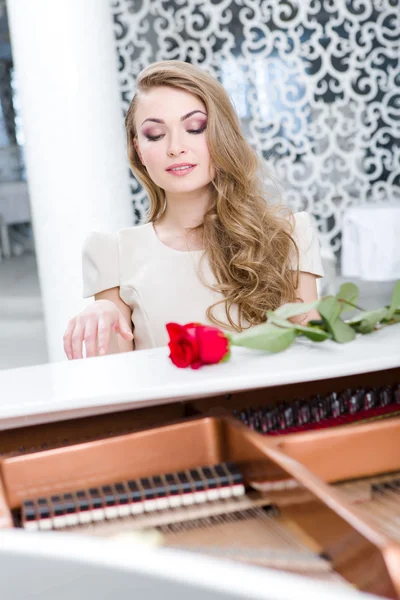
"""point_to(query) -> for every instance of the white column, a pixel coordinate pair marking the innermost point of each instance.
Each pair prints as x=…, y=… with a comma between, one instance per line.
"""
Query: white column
x=67, y=75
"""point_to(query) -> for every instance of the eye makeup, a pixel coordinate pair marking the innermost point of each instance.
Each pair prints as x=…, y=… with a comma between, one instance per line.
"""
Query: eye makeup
x=155, y=134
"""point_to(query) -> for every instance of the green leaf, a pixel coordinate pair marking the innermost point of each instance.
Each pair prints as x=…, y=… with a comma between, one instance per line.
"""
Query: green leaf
x=341, y=332
x=329, y=309
x=395, y=302
x=348, y=293
x=367, y=320
x=314, y=333
x=267, y=337
x=292, y=309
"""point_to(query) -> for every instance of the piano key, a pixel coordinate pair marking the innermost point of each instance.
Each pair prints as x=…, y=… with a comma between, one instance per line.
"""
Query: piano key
x=71, y=516
x=173, y=492
x=83, y=505
x=236, y=477
x=96, y=504
x=186, y=488
x=136, y=498
x=160, y=491
x=149, y=502
x=199, y=486
x=109, y=501
x=43, y=512
x=29, y=521
x=211, y=480
x=122, y=498
x=58, y=512
x=223, y=482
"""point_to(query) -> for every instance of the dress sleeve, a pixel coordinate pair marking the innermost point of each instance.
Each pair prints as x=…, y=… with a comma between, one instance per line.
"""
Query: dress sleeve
x=100, y=263
x=306, y=238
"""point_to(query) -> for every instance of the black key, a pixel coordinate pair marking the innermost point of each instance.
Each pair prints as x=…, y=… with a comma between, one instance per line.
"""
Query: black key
x=185, y=484
x=159, y=487
x=83, y=502
x=199, y=484
x=121, y=494
x=210, y=477
x=43, y=508
x=108, y=495
x=69, y=504
x=234, y=472
x=149, y=492
x=173, y=488
x=57, y=506
x=28, y=510
x=135, y=494
x=223, y=479
x=95, y=498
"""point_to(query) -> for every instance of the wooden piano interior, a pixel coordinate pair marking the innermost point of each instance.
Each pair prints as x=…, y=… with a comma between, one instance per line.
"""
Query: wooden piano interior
x=200, y=480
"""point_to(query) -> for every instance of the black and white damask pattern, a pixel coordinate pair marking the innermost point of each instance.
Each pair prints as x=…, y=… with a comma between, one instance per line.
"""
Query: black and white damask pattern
x=315, y=82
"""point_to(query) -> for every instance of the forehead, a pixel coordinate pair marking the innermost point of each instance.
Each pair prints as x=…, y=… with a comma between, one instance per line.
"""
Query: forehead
x=166, y=103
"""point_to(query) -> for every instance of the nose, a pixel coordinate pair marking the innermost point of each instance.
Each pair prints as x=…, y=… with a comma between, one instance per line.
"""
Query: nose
x=175, y=147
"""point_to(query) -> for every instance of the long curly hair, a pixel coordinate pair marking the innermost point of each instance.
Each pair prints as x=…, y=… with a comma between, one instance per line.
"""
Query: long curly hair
x=249, y=242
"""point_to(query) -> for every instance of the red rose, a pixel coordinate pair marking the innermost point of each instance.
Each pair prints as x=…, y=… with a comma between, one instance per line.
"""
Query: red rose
x=194, y=345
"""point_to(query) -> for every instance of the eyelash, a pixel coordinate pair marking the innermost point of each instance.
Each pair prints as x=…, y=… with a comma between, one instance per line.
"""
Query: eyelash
x=192, y=131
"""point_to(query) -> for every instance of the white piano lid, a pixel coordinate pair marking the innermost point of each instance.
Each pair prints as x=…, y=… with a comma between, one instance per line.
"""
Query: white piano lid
x=104, y=384
x=61, y=566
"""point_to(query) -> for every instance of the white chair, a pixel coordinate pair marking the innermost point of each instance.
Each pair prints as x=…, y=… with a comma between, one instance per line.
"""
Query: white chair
x=371, y=242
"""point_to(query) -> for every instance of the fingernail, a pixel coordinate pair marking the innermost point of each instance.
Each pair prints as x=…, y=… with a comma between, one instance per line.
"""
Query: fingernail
x=69, y=356
x=102, y=351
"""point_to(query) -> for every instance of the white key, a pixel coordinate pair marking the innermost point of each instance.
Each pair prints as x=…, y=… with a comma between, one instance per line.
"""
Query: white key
x=111, y=512
x=162, y=503
x=175, y=501
x=188, y=499
x=59, y=522
x=212, y=494
x=98, y=514
x=238, y=489
x=200, y=497
x=124, y=510
x=85, y=516
x=136, y=508
x=225, y=492
x=45, y=524
x=72, y=519
x=31, y=525
x=150, y=505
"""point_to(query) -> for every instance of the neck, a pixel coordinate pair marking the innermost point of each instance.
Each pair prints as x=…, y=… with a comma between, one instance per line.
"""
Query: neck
x=186, y=210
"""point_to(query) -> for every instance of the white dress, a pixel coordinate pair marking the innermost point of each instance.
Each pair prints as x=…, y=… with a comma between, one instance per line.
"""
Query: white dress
x=162, y=285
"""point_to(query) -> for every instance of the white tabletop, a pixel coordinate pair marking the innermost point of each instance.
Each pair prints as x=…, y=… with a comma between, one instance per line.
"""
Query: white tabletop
x=90, y=386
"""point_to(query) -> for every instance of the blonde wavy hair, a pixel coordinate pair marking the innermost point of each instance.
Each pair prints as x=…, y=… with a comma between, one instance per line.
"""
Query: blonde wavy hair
x=248, y=242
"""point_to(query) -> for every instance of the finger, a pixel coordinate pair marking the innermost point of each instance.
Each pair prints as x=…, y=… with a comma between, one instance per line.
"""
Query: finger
x=90, y=337
x=103, y=335
x=124, y=329
x=77, y=340
x=67, y=338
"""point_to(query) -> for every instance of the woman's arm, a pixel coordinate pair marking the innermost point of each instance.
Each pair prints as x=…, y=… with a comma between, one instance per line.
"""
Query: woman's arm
x=307, y=292
x=117, y=343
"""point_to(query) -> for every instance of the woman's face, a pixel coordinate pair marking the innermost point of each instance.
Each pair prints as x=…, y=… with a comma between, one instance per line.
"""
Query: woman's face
x=171, y=139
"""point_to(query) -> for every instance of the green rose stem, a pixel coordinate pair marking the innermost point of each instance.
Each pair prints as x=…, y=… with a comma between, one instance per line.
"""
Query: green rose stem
x=278, y=332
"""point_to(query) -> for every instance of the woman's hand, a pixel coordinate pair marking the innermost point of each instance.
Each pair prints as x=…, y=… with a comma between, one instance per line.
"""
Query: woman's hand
x=95, y=326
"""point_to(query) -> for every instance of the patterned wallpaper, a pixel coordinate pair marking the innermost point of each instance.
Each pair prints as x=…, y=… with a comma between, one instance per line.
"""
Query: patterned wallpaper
x=315, y=82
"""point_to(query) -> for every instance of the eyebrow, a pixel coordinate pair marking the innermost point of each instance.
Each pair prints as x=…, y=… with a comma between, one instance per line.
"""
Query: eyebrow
x=182, y=118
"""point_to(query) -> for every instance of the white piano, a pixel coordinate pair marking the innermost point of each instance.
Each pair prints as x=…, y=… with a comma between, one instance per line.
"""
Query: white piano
x=52, y=409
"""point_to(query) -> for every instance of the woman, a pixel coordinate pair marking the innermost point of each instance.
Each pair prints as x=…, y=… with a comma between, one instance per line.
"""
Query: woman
x=212, y=251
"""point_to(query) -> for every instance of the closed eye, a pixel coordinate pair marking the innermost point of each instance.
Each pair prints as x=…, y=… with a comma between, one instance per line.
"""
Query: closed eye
x=192, y=131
